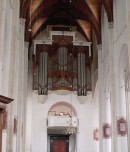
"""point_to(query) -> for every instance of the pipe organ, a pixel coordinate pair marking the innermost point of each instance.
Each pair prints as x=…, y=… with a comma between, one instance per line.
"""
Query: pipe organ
x=61, y=67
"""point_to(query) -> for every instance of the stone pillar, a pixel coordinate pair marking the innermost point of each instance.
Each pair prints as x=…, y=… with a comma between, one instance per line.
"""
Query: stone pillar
x=122, y=144
x=112, y=86
x=2, y=29
x=6, y=55
x=128, y=25
x=128, y=113
x=27, y=104
x=106, y=122
x=13, y=80
x=20, y=87
x=14, y=106
x=26, y=46
x=118, y=101
x=28, y=130
x=99, y=47
x=128, y=94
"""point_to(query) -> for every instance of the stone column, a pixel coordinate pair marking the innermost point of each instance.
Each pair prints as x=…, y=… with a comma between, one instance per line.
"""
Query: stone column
x=106, y=122
x=13, y=81
x=6, y=55
x=99, y=47
x=128, y=113
x=5, y=59
x=112, y=86
x=121, y=118
x=128, y=94
x=2, y=29
x=27, y=103
x=26, y=46
x=28, y=131
x=20, y=87
x=128, y=25
x=118, y=101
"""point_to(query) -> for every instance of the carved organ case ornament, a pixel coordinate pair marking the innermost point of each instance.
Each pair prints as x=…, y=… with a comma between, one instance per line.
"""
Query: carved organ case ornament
x=60, y=70
x=61, y=66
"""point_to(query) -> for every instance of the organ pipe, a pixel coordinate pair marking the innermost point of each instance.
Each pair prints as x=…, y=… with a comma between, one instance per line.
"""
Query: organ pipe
x=62, y=59
x=43, y=73
x=81, y=74
x=36, y=73
x=84, y=80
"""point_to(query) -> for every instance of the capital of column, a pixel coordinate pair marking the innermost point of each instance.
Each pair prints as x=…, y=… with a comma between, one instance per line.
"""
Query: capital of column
x=99, y=47
x=26, y=44
x=22, y=20
x=110, y=25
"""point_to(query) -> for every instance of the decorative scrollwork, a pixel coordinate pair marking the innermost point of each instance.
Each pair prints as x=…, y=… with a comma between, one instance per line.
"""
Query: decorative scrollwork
x=42, y=98
x=82, y=99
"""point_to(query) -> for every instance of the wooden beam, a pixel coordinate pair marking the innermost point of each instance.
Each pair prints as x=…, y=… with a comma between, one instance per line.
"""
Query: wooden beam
x=5, y=100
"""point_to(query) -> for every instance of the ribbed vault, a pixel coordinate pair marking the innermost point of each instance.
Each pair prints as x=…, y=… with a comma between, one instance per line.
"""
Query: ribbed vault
x=85, y=14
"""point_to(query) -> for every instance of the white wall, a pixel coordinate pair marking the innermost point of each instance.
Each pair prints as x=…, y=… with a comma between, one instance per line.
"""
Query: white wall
x=87, y=122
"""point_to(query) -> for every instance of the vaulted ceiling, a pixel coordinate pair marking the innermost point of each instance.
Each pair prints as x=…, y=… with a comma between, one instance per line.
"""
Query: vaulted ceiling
x=85, y=14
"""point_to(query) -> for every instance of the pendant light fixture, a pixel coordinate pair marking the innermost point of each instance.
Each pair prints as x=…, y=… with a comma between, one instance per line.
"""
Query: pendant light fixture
x=30, y=29
x=70, y=128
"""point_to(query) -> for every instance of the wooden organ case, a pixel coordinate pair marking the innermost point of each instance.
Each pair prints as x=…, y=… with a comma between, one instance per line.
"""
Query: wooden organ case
x=62, y=66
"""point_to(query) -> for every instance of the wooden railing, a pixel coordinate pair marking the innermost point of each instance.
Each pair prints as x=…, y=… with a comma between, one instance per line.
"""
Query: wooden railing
x=67, y=113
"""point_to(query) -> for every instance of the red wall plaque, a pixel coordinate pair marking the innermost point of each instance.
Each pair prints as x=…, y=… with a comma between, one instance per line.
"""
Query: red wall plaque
x=106, y=131
x=96, y=134
x=122, y=127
